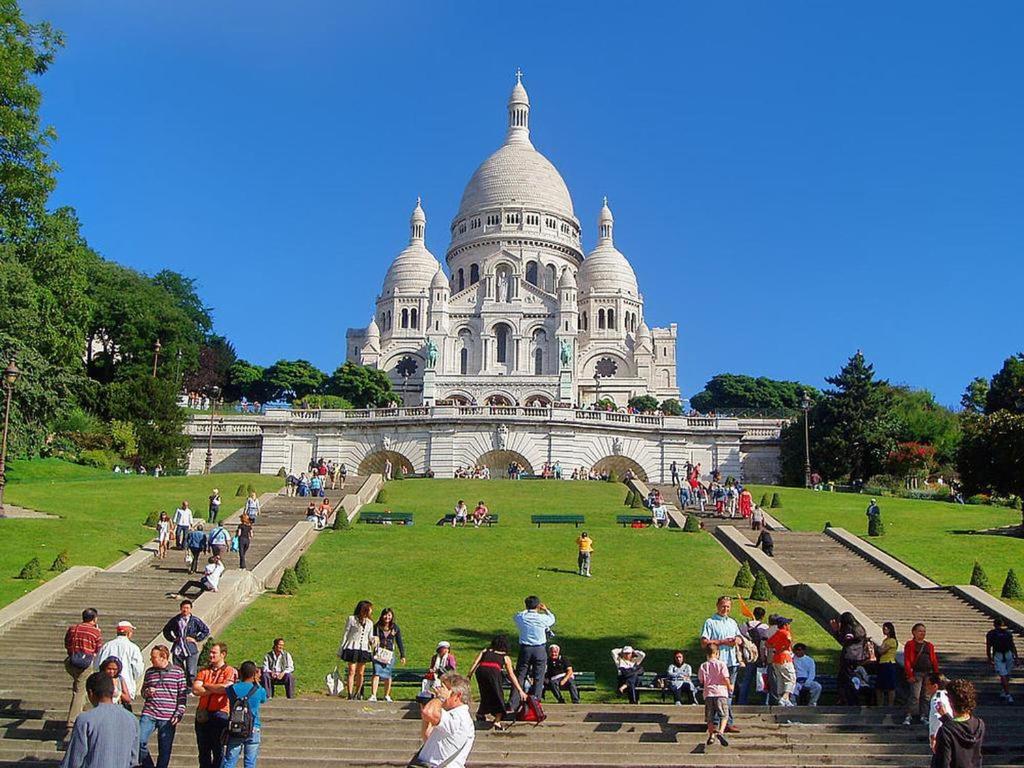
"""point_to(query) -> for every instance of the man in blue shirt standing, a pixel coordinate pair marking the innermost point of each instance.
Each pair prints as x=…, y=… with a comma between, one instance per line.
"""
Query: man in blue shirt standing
x=533, y=625
x=248, y=687
x=722, y=630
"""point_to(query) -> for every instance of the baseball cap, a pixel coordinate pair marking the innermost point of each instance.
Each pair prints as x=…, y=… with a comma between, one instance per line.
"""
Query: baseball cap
x=781, y=621
x=444, y=644
x=125, y=625
x=627, y=649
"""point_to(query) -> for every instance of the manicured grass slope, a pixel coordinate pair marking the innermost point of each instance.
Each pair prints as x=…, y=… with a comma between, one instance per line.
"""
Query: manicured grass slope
x=650, y=588
x=936, y=538
x=101, y=514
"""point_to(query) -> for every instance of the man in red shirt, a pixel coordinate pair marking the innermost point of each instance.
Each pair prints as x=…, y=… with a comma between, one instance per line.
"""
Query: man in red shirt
x=82, y=642
x=210, y=685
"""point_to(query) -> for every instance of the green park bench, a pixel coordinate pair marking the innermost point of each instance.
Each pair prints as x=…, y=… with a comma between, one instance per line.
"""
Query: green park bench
x=489, y=520
x=627, y=520
x=540, y=520
x=386, y=518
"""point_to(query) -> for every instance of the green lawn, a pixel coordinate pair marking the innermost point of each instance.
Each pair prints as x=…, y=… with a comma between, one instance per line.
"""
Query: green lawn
x=936, y=538
x=651, y=588
x=101, y=514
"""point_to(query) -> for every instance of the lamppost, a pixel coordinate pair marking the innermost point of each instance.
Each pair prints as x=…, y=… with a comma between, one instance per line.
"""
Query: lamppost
x=177, y=371
x=805, y=403
x=156, y=356
x=11, y=374
x=597, y=390
x=214, y=391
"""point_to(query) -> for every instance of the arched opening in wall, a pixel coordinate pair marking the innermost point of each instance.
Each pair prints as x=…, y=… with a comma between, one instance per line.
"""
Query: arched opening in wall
x=501, y=334
x=463, y=361
x=465, y=343
x=474, y=274
x=611, y=319
x=619, y=465
x=405, y=318
x=462, y=280
x=538, y=401
x=665, y=379
x=455, y=400
x=374, y=463
x=538, y=362
x=498, y=461
x=383, y=321
x=540, y=341
x=600, y=318
x=550, y=276
x=389, y=319
x=414, y=318
x=586, y=322
x=499, y=401
x=531, y=272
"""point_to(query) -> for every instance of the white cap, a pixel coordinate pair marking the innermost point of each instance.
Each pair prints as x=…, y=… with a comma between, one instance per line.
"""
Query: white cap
x=444, y=644
x=125, y=625
x=627, y=649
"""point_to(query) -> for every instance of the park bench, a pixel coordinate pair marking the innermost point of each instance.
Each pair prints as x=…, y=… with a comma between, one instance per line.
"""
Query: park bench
x=540, y=520
x=386, y=518
x=627, y=520
x=489, y=520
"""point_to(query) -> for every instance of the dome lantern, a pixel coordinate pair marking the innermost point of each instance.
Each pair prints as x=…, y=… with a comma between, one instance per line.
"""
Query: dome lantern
x=518, y=113
x=605, y=223
x=417, y=223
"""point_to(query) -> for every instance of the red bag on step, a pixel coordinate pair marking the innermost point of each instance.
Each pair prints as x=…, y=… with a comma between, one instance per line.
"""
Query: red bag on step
x=530, y=711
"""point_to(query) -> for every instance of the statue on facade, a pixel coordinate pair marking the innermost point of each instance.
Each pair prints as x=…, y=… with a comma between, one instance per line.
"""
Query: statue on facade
x=431, y=353
x=565, y=352
x=385, y=442
x=502, y=437
x=503, y=286
x=617, y=445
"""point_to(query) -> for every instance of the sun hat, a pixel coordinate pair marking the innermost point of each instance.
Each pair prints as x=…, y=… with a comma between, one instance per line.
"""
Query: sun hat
x=444, y=644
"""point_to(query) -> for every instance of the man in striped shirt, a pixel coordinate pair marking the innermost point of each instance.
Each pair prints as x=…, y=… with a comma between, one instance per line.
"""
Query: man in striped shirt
x=82, y=642
x=165, y=694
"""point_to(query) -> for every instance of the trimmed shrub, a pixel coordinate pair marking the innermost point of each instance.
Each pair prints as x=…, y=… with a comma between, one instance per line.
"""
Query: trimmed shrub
x=612, y=477
x=1012, y=588
x=399, y=473
x=978, y=576
x=302, y=570
x=240, y=491
x=341, y=522
x=152, y=519
x=692, y=524
x=776, y=501
x=204, y=652
x=61, y=563
x=763, y=503
x=629, y=497
x=250, y=488
x=762, y=591
x=382, y=496
x=875, y=526
x=289, y=584
x=282, y=472
x=32, y=570
x=100, y=459
x=637, y=502
x=744, y=576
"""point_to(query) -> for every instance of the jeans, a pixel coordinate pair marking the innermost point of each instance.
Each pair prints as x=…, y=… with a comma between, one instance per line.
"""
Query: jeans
x=164, y=741
x=583, y=563
x=745, y=681
x=243, y=547
x=180, y=532
x=532, y=662
x=212, y=517
x=678, y=687
x=196, y=554
x=236, y=747
x=209, y=739
x=631, y=679
x=287, y=681
x=190, y=664
x=78, y=695
x=556, y=689
x=732, y=679
x=917, y=700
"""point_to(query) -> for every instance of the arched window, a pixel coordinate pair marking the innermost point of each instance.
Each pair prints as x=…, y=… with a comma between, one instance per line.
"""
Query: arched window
x=611, y=319
x=462, y=280
x=414, y=318
x=585, y=321
x=538, y=361
x=501, y=343
x=474, y=274
x=464, y=360
x=389, y=319
x=383, y=321
x=600, y=318
x=531, y=272
x=405, y=318
x=550, y=274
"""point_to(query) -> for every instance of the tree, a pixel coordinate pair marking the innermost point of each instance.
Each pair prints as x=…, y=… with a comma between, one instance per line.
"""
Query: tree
x=294, y=378
x=975, y=395
x=216, y=358
x=643, y=403
x=182, y=291
x=920, y=419
x=1006, y=392
x=361, y=385
x=244, y=380
x=672, y=407
x=151, y=405
x=978, y=576
x=762, y=591
x=991, y=455
x=733, y=391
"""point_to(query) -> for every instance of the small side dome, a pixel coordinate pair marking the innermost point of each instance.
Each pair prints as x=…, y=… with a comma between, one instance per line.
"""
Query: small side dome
x=643, y=337
x=606, y=270
x=414, y=268
x=373, y=330
x=567, y=280
x=439, y=281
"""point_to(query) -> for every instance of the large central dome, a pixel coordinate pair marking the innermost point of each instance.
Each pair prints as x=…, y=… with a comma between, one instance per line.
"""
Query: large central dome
x=517, y=174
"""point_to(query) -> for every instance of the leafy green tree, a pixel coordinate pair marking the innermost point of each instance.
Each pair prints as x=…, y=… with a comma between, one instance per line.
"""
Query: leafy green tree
x=182, y=292
x=643, y=403
x=920, y=419
x=361, y=385
x=991, y=456
x=672, y=407
x=295, y=378
x=151, y=405
x=975, y=395
x=244, y=380
x=1006, y=392
x=734, y=391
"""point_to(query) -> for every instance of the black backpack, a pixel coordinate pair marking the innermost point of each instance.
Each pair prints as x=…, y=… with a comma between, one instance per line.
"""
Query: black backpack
x=241, y=721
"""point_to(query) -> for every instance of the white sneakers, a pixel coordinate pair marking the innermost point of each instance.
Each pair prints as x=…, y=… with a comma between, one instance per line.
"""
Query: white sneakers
x=372, y=698
x=387, y=698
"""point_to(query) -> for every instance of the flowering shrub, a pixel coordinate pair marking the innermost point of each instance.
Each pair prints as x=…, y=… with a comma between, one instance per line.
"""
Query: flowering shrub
x=910, y=459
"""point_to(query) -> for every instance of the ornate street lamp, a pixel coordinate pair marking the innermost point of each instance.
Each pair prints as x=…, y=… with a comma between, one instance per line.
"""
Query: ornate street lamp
x=214, y=391
x=11, y=375
x=597, y=390
x=805, y=403
x=156, y=356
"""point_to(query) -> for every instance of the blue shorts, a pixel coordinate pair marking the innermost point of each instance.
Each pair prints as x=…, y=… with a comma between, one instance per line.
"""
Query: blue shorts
x=383, y=671
x=1003, y=663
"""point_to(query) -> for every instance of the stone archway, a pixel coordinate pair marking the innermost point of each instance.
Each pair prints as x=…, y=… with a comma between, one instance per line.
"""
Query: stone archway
x=499, y=400
x=498, y=461
x=619, y=465
x=374, y=462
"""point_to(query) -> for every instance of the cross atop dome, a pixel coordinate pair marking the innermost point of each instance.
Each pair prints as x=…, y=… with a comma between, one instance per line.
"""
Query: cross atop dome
x=519, y=76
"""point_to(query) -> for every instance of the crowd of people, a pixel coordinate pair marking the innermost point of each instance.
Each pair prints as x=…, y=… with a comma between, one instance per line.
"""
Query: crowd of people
x=320, y=477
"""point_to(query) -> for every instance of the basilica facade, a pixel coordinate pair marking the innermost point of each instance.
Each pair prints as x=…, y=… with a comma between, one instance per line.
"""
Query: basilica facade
x=522, y=316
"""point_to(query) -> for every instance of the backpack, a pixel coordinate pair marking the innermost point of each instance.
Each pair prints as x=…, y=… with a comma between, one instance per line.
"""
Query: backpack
x=241, y=722
x=748, y=650
x=531, y=711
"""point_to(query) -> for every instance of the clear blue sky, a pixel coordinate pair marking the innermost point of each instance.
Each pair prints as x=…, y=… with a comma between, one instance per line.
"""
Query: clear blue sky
x=792, y=181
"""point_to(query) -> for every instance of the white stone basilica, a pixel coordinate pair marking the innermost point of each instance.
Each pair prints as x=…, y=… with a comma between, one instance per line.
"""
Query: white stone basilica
x=522, y=317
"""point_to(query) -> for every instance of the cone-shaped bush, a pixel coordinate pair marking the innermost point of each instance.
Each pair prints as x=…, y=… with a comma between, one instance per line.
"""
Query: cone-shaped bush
x=744, y=577
x=61, y=563
x=612, y=477
x=289, y=584
x=1012, y=588
x=382, y=496
x=31, y=570
x=341, y=522
x=282, y=472
x=776, y=501
x=637, y=502
x=762, y=591
x=241, y=490
x=978, y=576
x=875, y=526
x=764, y=501
x=151, y=519
x=399, y=473
x=692, y=524
x=629, y=497
x=250, y=489
x=302, y=570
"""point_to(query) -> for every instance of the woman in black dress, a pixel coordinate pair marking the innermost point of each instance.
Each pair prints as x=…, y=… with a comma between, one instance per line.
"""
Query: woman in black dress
x=489, y=666
x=244, y=534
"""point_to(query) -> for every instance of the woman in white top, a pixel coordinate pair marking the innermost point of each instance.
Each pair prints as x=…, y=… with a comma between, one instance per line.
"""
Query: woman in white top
x=252, y=506
x=163, y=535
x=461, y=514
x=628, y=661
x=355, y=647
